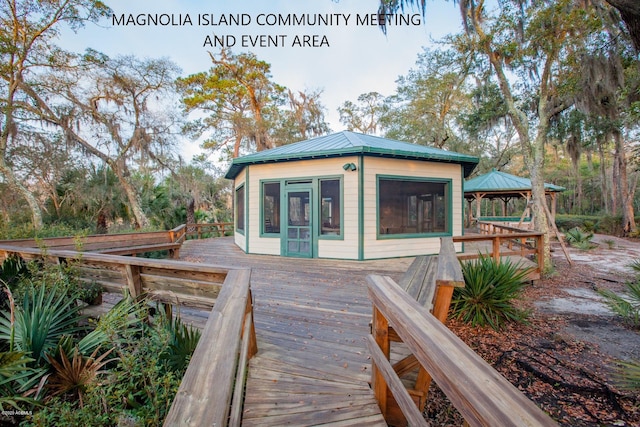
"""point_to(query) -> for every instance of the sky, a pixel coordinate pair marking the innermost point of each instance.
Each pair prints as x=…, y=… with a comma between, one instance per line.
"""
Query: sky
x=351, y=55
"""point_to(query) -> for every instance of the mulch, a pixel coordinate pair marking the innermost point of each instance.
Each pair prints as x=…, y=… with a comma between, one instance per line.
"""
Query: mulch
x=569, y=379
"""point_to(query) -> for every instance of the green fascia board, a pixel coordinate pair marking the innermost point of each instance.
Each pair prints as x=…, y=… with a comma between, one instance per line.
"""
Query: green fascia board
x=346, y=143
x=496, y=181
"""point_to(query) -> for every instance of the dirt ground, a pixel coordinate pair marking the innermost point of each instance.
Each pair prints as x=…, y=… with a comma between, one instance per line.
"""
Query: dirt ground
x=566, y=357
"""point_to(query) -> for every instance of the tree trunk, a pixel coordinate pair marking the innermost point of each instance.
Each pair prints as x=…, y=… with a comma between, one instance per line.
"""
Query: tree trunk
x=603, y=176
x=101, y=223
x=625, y=196
x=536, y=164
x=34, y=206
x=191, y=214
x=630, y=14
x=139, y=217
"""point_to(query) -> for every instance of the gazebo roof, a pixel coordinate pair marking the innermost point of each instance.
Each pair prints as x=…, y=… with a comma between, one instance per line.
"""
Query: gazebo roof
x=502, y=183
x=347, y=143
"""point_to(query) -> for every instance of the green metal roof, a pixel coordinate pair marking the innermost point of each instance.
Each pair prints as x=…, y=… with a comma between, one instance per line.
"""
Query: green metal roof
x=497, y=181
x=348, y=144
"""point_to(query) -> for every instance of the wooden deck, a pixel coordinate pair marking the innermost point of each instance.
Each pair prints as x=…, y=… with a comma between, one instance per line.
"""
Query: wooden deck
x=312, y=318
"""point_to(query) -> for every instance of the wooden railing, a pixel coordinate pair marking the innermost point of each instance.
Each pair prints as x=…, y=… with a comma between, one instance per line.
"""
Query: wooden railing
x=481, y=395
x=172, y=282
x=510, y=241
x=112, y=244
x=212, y=390
x=215, y=229
x=492, y=227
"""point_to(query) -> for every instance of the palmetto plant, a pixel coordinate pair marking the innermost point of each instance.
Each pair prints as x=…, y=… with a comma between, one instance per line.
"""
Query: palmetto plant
x=490, y=288
x=628, y=304
x=579, y=238
x=75, y=374
x=183, y=342
x=627, y=376
x=43, y=319
x=15, y=379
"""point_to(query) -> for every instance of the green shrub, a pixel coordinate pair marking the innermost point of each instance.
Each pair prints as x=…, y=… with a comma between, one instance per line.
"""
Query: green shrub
x=148, y=357
x=603, y=224
x=567, y=222
x=577, y=238
x=37, y=326
x=609, y=224
x=182, y=344
x=627, y=306
x=490, y=289
x=627, y=376
x=15, y=380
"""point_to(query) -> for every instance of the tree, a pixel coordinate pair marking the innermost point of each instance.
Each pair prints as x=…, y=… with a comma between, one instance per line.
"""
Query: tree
x=537, y=42
x=429, y=98
x=27, y=32
x=606, y=96
x=629, y=12
x=487, y=127
x=118, y=110
x=365, y=115
x=305, y=116
x=240, y=99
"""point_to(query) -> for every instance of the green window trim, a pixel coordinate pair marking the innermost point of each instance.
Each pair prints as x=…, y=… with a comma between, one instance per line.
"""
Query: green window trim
x=316, y=184
x=330, y=232
x=448, y=190
x=276, y=215
x=240, y=209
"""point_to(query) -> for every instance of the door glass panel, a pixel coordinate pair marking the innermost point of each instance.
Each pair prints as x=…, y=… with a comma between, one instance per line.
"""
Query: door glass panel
x=298, y=223
x=305, y=234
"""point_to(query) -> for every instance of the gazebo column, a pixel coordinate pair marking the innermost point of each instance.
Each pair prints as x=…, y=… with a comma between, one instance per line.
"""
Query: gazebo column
x=505, y=201
x=479, y=197
x=554, y=202
x=527, y=197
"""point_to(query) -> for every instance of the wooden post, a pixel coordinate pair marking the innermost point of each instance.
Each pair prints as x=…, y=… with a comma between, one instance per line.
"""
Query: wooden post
x=478, y=205
x=134, y=282
x=380, y=333
x=253, y=342
x=496, y=248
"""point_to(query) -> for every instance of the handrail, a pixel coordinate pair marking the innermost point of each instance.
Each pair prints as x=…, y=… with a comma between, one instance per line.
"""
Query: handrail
x=518, y=242
x=481, y=395
x=207, y=395
x=116, y=244
x=169, y=281
x=199, y=229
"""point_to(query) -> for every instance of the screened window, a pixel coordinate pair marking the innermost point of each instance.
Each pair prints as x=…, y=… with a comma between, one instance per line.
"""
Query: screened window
x=330, y=205
x=271, y=207
x=413, y=206
x=240, y=209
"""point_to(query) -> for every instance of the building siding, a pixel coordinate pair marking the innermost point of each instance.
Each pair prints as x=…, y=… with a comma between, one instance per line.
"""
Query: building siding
x=389, y=247
x=346, y=248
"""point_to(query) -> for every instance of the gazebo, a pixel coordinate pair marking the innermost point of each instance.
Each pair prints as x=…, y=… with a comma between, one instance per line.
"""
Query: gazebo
x=348, y=196
x=503, y=186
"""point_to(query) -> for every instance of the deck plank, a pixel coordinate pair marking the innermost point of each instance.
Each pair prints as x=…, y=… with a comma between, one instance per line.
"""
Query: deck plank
x=311, y=318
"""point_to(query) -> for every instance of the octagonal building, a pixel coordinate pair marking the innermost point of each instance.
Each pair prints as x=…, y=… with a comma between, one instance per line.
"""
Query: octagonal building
x=348, y=196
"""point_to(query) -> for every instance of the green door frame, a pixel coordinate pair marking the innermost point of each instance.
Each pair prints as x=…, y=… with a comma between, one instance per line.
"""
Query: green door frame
x=299, y=238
